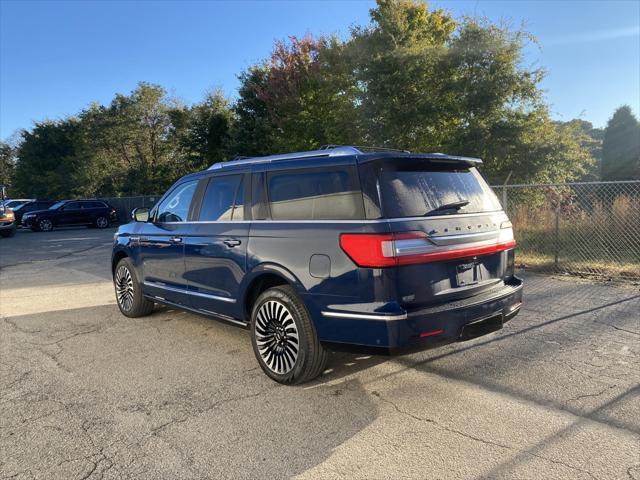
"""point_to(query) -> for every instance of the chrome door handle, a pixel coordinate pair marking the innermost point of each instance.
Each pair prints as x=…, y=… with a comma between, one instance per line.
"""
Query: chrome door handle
x=176, y=239
x=231, y=242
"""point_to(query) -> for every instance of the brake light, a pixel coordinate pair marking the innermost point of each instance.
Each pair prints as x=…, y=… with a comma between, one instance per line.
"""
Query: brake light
x=407, y=248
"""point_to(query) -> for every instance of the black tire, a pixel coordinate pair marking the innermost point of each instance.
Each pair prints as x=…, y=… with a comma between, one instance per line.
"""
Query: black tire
x=45, y=225
x=128, y=291
x=8, y=233
x=279, y=316
x=101, y=222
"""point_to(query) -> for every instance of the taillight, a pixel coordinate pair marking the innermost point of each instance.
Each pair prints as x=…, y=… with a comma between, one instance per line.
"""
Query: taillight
x=407, y=248
x=7, y=216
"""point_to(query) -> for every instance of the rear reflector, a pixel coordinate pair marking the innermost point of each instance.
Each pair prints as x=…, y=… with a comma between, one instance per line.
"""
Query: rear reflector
x=395, y=249
x=431, y=333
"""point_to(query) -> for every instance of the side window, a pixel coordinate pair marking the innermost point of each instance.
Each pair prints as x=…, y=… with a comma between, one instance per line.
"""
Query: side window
x=175, y=208
x=72, y=206
x=224, y=199
x=315, y=194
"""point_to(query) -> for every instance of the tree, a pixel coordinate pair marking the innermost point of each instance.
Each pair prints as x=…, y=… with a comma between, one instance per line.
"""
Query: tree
x=202, y=132
x=129, y=142
x=621, y=146
x=50, y=162
x=7, y=164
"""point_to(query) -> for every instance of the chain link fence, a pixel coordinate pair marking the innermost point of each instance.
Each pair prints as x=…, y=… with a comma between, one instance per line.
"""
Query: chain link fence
x=589, y=229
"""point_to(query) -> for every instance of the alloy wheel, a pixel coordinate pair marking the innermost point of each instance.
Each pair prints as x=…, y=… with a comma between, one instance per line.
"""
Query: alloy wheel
x=45, y=225
x=124, y=288
x=102, y=222
x=277, y=337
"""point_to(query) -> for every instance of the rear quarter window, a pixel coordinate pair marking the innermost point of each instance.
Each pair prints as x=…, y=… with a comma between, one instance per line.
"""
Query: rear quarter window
x=330, y=193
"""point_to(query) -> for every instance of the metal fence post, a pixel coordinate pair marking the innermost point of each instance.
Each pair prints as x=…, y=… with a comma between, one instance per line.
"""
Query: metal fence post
x=504, y=198
x=556, y=246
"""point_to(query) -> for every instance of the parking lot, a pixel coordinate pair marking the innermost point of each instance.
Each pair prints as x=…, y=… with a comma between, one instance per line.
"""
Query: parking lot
x=87, y=393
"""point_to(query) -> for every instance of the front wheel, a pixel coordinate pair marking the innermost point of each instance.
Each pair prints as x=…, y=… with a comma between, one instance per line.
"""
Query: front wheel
x=284, y=338
x=131, y=301
x=45, y=225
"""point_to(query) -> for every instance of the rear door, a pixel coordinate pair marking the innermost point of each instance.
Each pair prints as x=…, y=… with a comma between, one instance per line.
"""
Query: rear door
x=162, y=245
x=446, y=224
x=216, y=248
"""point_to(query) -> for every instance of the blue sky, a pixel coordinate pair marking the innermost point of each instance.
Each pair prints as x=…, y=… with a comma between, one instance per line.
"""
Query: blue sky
x=57, y=57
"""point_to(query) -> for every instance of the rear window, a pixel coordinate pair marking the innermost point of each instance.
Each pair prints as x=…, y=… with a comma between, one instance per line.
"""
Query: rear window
x=415, y=192
x=315, y=194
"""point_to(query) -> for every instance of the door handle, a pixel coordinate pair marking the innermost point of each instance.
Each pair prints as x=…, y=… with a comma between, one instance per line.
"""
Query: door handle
x=232, y=242
x=176, y=239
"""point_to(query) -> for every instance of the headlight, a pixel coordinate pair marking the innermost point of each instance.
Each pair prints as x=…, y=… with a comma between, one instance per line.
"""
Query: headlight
x=28, y=215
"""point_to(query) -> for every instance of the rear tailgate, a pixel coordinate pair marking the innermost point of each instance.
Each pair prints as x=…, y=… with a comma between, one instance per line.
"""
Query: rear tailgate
x=442, y=253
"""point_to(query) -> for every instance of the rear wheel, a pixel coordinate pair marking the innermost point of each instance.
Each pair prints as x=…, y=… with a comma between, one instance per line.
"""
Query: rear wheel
x=45, y=225
x=129, y=296
x=284, y=339
x=101, y=222
x=8, y=233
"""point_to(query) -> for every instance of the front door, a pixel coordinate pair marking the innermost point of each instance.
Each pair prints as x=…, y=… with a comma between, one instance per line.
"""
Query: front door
x=70, y=214
x=162, y=242
x=216, y=248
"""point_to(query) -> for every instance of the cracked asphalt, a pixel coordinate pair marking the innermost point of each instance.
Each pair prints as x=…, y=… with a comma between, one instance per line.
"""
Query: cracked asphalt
x=86, y=393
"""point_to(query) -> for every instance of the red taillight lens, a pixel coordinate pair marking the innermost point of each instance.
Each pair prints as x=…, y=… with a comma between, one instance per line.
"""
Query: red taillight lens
x=369, y=250
x=408, y=248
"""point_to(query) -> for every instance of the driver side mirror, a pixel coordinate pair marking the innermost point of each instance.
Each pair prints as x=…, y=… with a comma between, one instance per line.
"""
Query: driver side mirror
x=140, y=214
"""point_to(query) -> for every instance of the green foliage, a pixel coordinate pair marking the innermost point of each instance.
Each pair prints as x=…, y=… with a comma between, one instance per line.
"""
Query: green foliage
x=7, y=164
x=414, y=78
x=621, y=146
x=50, y=160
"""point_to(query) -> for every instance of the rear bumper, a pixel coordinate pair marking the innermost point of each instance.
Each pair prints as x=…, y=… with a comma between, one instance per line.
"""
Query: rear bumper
x=425, y=328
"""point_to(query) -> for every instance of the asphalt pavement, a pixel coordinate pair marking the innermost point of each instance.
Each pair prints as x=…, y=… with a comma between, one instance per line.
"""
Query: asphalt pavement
x=86, y=393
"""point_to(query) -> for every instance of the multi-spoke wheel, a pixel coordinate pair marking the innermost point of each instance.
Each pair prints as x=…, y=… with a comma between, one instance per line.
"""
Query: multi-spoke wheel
x=124, y=288
x=129, y=297
x=102, y=222
x=284, y=338
x=45, y=225
x=277, y=337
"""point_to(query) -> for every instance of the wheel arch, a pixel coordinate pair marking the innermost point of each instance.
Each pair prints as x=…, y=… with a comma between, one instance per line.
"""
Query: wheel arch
x=115, y=258
x=263, y=277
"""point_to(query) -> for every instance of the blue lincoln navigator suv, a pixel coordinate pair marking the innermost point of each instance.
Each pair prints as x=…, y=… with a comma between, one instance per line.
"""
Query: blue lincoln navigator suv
x=339, y=248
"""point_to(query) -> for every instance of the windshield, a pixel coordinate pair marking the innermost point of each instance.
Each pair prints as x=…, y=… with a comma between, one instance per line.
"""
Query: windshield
x=55, y=206
x=435, y=190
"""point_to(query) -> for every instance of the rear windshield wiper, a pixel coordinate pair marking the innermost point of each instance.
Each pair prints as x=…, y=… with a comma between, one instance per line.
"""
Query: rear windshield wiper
x=449, y=206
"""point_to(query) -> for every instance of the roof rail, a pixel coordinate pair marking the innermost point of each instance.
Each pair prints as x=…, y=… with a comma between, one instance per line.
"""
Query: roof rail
x=328, y=151
x=364, y=149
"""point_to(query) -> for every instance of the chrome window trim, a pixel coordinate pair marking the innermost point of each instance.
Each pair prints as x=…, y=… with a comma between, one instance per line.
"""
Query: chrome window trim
x=378, y=220
x=365, y=316
x=187, y=292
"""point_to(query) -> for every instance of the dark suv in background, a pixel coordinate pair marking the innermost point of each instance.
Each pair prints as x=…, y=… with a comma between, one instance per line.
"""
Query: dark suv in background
x=383, y=252
x=92, y=213
x=31, y=207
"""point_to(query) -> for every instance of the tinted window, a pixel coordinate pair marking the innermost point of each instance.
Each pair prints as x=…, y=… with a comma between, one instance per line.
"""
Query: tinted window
x=175, y=208
x=220, y=197
x=56, y=205
x=72, y=206
x=415, y=192
x=318, y=194
x=93, y=205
